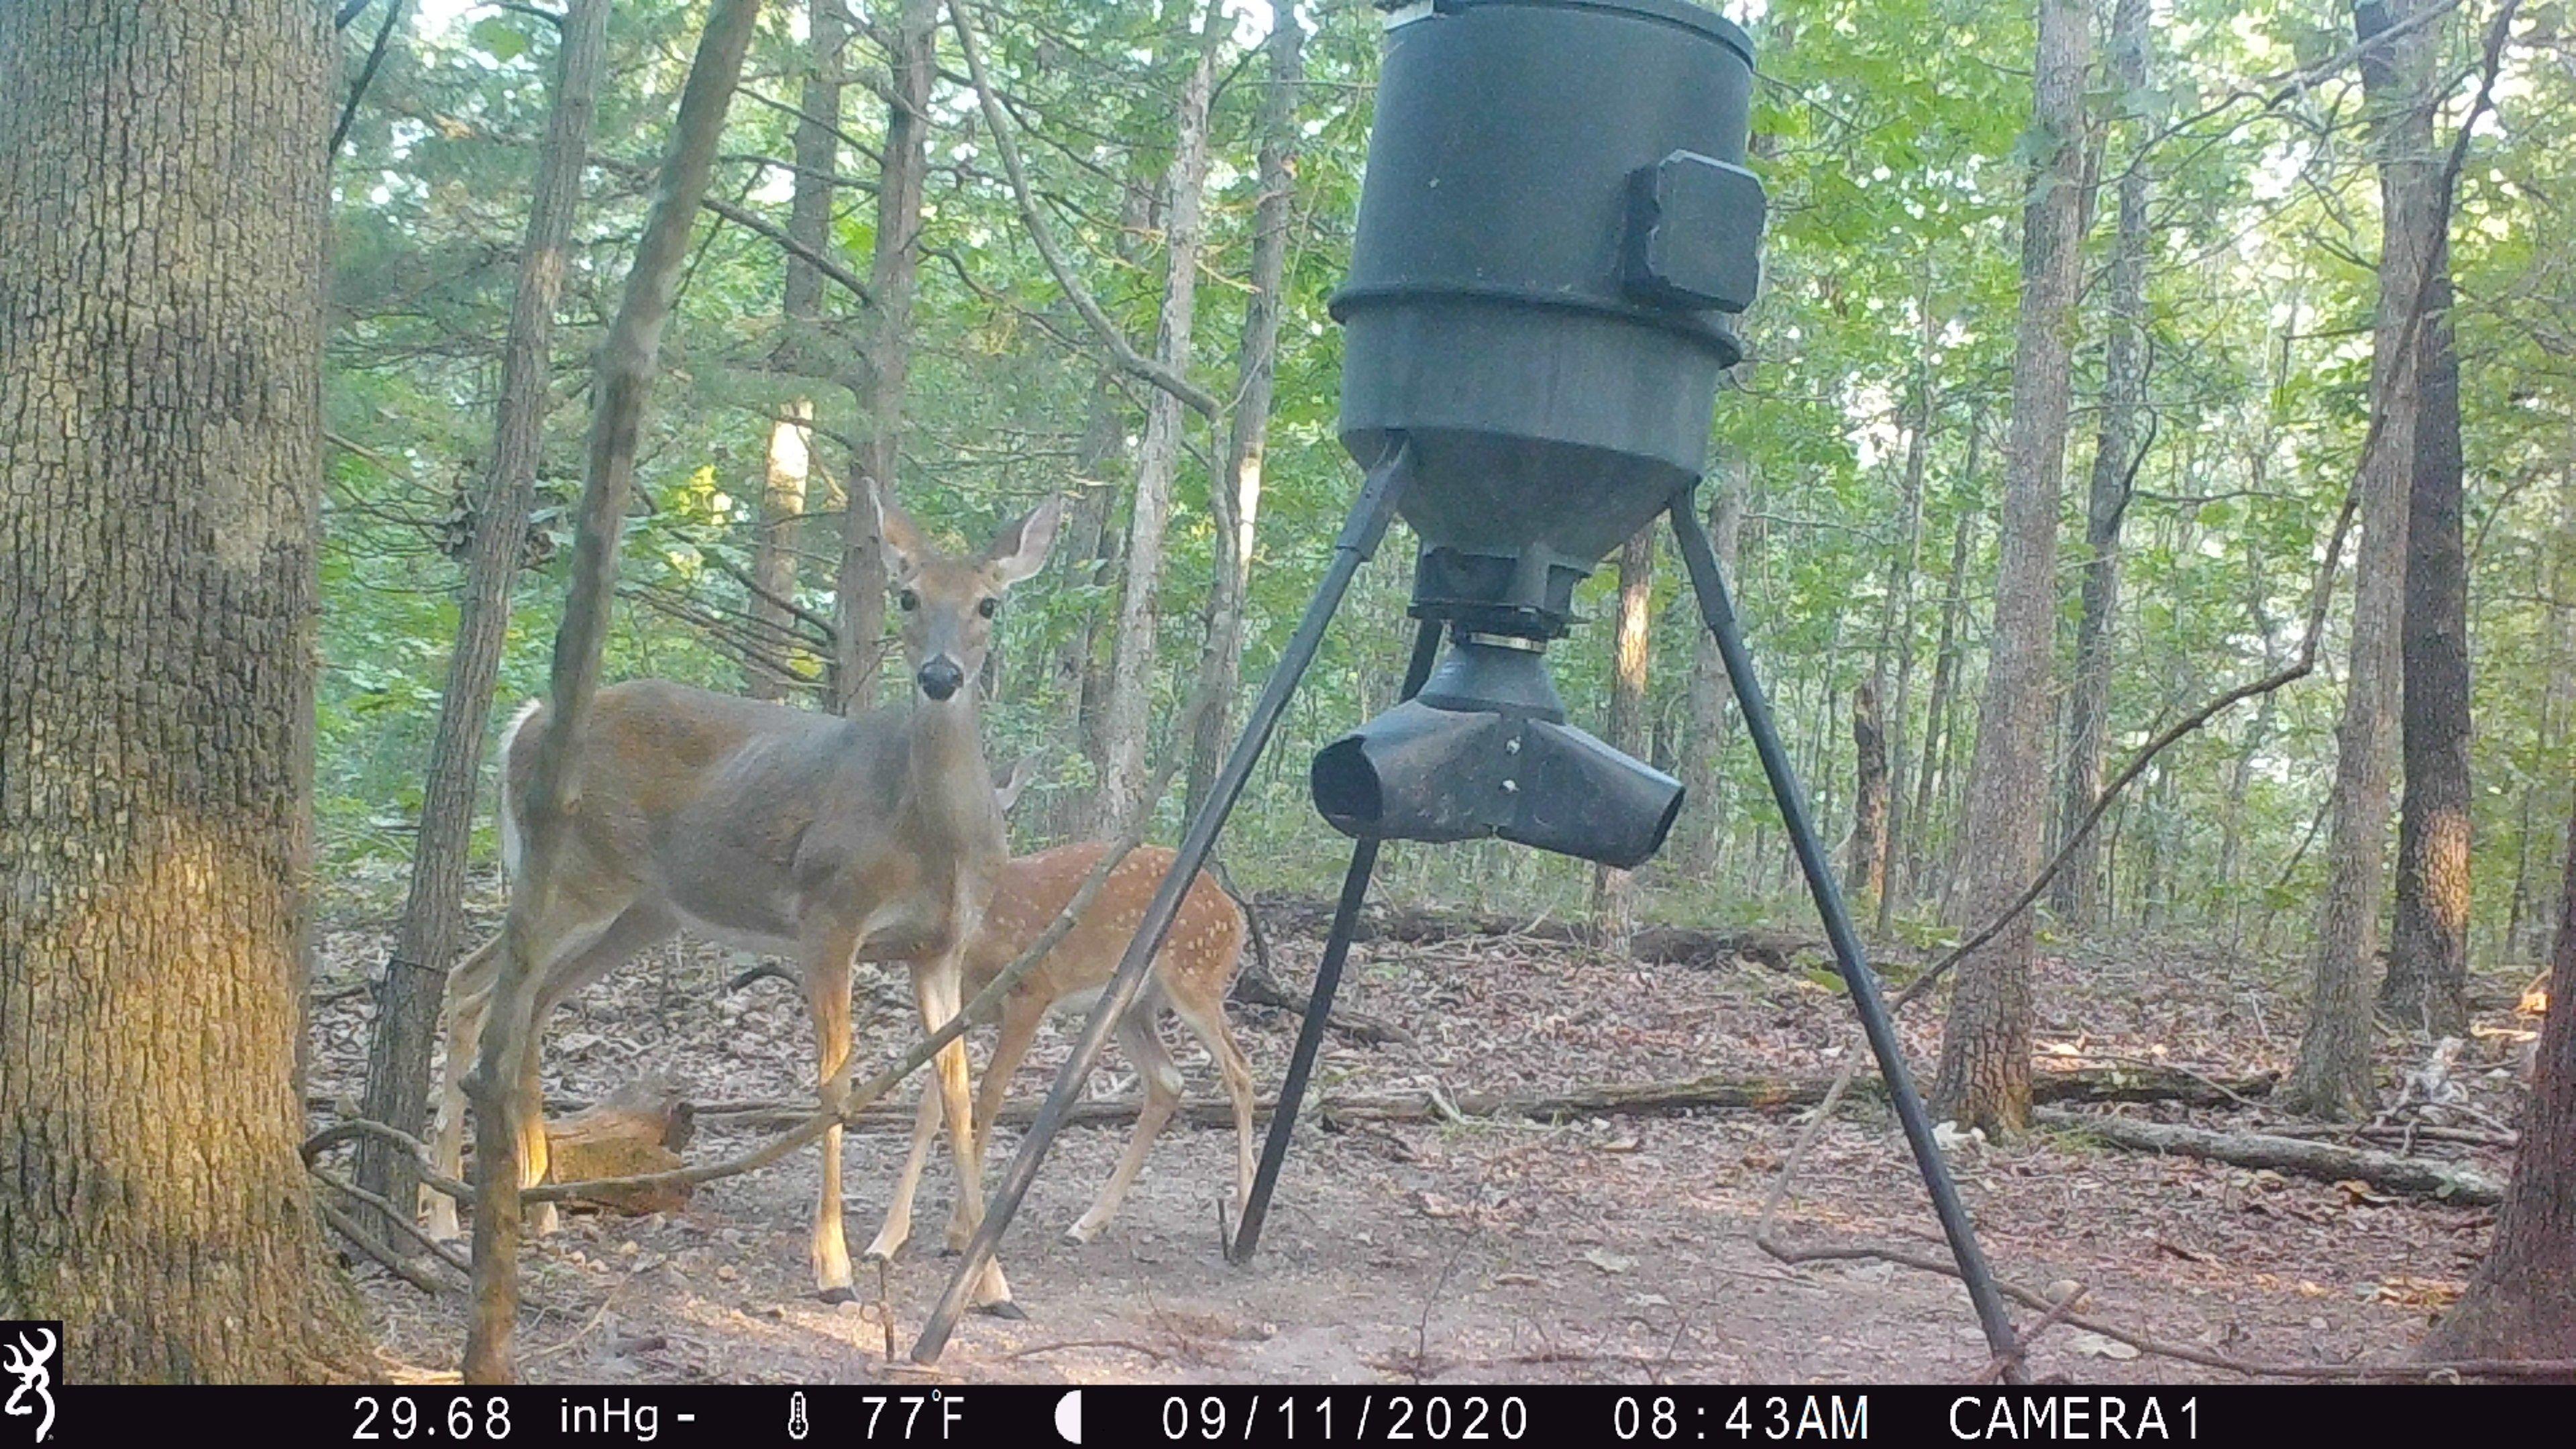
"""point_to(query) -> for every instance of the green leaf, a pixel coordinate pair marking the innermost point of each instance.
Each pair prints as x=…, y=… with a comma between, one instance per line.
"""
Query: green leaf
x=499, y=39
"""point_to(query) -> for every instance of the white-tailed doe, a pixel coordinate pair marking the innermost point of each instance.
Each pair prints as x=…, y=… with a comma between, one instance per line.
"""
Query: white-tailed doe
x=782, y=831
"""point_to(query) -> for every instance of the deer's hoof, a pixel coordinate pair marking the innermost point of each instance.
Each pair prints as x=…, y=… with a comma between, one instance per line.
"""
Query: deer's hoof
x=1003, y=1309
x=1080, y=1234
x=836, y=1295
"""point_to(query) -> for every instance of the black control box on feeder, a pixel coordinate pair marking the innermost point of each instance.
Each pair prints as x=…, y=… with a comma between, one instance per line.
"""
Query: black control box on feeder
x=1554, y=226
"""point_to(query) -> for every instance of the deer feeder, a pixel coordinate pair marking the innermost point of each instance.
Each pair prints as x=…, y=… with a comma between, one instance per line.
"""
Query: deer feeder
x=1555, y=226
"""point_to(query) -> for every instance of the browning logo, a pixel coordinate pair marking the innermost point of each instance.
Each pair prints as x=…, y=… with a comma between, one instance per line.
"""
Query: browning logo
x=26, y=1350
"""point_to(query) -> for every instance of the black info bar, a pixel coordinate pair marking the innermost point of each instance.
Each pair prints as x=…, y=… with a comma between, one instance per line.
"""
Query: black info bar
x=1024, y=1416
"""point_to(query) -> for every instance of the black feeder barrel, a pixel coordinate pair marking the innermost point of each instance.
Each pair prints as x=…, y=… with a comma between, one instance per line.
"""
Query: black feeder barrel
x=1554, y=223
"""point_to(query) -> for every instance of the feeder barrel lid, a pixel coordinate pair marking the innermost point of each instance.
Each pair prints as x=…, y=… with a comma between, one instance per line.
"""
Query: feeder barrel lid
x=1674, y=12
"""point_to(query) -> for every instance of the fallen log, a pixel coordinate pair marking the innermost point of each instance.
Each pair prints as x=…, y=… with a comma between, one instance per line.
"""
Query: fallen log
x=1413, y=925
x=1694, y=946
x=1661, y=945
x=1712, y=1093
x=639, y=1130
x=2307, y=1157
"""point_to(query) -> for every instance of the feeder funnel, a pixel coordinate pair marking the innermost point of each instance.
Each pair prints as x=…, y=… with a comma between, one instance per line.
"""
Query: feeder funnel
x=1554, y=224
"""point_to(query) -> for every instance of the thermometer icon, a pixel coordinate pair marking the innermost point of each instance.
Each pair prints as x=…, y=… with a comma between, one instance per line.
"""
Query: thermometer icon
x=796, y=1415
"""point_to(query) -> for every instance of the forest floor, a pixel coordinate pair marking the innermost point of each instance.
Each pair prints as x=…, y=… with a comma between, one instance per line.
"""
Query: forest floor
x=1599, y=1249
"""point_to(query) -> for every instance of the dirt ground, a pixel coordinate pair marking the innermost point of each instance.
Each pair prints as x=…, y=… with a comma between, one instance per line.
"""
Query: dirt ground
x=1606, y=1249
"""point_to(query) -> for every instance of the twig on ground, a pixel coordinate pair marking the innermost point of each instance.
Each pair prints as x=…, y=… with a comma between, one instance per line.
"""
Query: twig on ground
x=1033, y=1350
x=2020, y=1351
x=401, y=1220
x=368, y=1244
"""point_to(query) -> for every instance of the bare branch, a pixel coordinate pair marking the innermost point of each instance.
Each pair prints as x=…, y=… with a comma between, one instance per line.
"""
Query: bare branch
x=1122, y=351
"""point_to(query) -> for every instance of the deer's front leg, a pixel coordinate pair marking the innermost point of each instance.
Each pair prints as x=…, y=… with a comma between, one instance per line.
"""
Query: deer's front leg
x=937, y=985
x=827, y=997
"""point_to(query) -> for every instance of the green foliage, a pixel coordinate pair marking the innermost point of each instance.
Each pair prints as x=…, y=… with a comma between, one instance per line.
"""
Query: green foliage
x=1892, y=139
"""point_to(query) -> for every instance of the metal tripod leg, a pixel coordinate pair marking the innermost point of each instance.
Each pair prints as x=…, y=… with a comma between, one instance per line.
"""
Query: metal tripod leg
x=1370, y=514
x=1719, y=613
x=1319, y=1007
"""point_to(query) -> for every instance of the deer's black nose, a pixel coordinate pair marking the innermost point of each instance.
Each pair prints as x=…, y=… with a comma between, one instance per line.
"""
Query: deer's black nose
x=940, y=677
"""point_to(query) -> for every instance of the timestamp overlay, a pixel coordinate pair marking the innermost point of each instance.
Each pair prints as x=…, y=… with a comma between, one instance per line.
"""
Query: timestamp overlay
x=402, y=1416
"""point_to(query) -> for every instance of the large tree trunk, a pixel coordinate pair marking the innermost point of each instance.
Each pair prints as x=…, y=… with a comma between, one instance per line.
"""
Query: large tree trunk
x=1985, y=1048
x=2333, y=1078
x=2521, y=1301
x=1127, y=714
x=433, y=914
x=2428, y=944
x=627, y=359
x=790, y=461
x=1704, y=728
x=894, y=267
x=2088, y=705
x=1632, y=652
x=1236, y=493
x=160, y=474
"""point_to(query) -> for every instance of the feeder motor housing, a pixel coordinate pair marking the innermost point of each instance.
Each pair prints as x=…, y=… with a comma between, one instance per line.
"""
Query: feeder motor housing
x=1554, y=226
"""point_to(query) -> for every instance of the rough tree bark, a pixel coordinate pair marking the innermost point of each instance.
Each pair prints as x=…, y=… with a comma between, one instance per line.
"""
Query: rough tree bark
x=1236, y=493
x=1704, y=733
x=789, y=469
x=160, y=477
x=885, y=375
x=2428, y=942
x=625, y=375
x=433, y=913
x=2333, y=1078
x=2521, y=1301
x=1632, y=651
x=2124, y=369
x=1865, y=867
x=1985, y=1046
x=1127, y=713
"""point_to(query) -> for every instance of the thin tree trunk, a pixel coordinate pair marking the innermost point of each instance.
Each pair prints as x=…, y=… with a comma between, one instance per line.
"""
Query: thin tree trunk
x=1127, y=714
x=2333, y=1078
x=1865, y=868
x=2088, y=704
x=2428, y=943
x=1235, y=496
x=1704, y=734
x=894, y=265
x=1093, y=544
x=1632, y=652
x=1945, y=678
x=790, y=464
x=1985, y=1048
x=397, y=1092
x=1909, y=555
x=160, y=472
x=2521, y=1301
x=625, y=374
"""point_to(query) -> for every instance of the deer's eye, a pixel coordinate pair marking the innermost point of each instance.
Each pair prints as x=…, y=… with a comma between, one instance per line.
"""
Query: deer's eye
x=907, y=601
x=987, y=608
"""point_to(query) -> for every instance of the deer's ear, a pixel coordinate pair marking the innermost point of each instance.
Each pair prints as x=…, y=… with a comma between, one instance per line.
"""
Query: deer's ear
x=1021, y=549
x=902, y=539
x=1018, y=778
